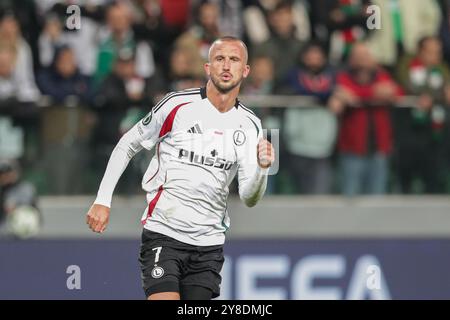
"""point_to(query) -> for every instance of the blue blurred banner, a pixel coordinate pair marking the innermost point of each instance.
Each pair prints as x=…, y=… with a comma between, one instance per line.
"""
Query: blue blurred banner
x=265, y=269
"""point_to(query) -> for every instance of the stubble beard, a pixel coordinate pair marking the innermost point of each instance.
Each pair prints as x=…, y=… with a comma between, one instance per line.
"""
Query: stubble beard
x=225, y=87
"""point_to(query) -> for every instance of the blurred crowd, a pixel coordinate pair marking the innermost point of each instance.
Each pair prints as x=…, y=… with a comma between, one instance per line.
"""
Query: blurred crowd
x=377, y=119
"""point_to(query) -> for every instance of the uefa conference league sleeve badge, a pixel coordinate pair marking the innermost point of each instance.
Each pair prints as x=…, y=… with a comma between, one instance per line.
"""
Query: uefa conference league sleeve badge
x=148, y=118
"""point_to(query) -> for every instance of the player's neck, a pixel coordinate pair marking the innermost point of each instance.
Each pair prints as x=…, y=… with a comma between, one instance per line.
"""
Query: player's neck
x=222, y=101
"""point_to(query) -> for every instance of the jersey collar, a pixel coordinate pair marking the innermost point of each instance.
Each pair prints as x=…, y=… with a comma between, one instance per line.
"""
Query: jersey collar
x=203, y=95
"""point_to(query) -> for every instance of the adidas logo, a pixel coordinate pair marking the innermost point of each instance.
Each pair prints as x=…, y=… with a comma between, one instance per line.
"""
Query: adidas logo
x=195, y=129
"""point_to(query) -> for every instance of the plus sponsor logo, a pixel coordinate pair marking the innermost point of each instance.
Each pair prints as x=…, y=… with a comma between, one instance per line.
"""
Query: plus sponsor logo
x=214, y=161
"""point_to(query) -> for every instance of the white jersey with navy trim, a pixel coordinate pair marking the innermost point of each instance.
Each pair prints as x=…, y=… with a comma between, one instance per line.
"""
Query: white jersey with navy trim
x=199, y=150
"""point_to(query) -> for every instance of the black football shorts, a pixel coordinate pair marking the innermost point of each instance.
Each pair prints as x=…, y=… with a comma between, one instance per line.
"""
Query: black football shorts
x=168, y=265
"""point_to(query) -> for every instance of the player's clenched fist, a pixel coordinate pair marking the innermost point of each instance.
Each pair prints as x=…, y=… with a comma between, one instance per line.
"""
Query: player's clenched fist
x=265, y=154
x=98, y=217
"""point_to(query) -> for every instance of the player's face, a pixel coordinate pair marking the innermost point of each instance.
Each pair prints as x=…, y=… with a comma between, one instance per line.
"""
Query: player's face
x=227, y=65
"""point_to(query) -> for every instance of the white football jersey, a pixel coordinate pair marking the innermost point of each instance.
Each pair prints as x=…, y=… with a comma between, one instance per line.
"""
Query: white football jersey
x=198, y=152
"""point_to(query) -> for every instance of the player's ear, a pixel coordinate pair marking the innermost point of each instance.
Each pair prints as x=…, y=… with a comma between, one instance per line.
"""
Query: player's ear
x=246, y=71
x=206, y=66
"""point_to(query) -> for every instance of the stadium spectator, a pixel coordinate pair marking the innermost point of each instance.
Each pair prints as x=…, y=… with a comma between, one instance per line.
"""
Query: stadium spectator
x=404, y=23
x=160, y=22
x=310, y=133
x=182, y=74
x=19, y=81
x=51, y=38
x=261, y=82
x=63, y=79
x=175, y=14
x=422, y=129
x=283, y=47
x=26, y=14
x=230, y=16
x=256, y=25
x=338, y=24
x=365, y=91
x=83, y=41
x=18, y=91
x=197, y=40
x=120, y=36
x=10, y=90
x=161, y=15
x=123, y=91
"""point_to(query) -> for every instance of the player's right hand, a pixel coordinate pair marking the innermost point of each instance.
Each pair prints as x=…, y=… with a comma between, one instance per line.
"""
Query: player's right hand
x=98, y=217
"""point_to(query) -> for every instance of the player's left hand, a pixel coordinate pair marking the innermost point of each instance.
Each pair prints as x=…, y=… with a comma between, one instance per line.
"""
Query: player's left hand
x=98, y=217
x=265, y=153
